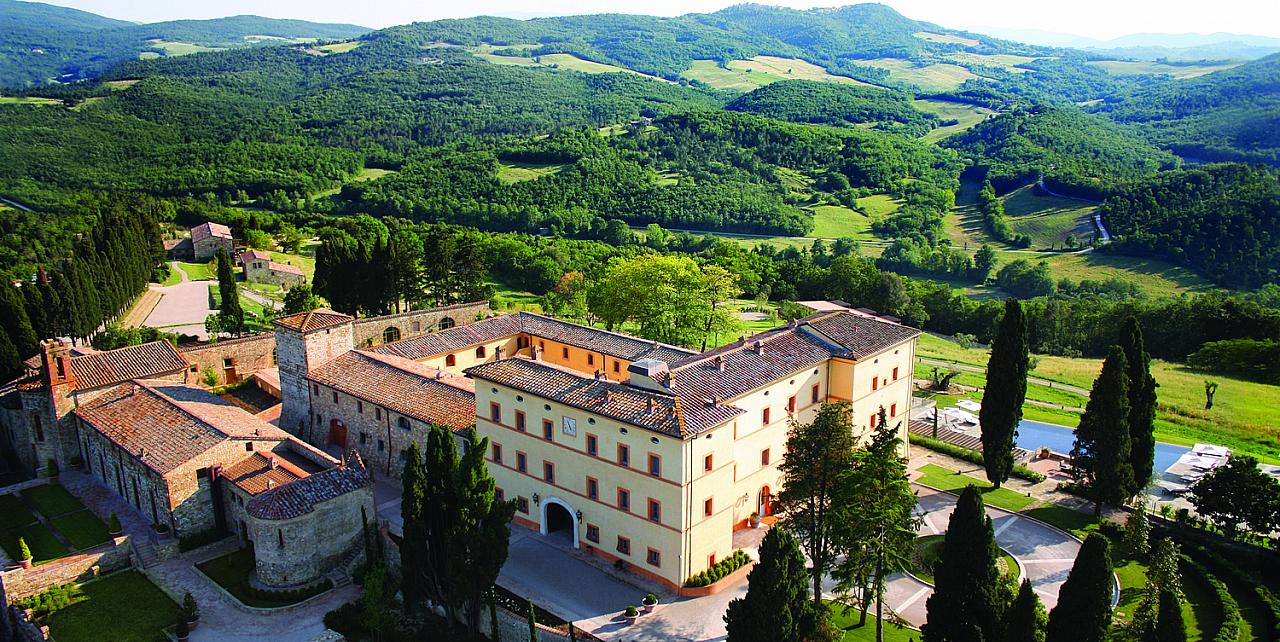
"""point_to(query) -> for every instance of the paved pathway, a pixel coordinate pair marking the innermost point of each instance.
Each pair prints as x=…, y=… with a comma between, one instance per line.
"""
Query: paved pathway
x=183, y=307
x=968, y=368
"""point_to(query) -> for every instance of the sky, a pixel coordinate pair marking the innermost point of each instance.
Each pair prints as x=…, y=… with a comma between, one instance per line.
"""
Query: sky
x=1101, y=19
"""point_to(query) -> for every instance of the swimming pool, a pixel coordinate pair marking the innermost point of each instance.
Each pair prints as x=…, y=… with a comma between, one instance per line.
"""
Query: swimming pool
x=1033, y=435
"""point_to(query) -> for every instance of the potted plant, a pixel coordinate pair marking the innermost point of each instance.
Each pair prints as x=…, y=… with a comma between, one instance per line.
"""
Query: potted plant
x=51, y=471
x=649, y=602
x=755, y=520
x=113, y=525
x=631, y=613
x=1045, y=453
x=190, y=611
x=24, y=553
x=160, y=529
x=184, y=632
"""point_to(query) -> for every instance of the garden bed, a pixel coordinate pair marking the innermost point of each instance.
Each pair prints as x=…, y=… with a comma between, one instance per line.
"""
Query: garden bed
x=122, y=607
x=929, y=549
x=51, y=500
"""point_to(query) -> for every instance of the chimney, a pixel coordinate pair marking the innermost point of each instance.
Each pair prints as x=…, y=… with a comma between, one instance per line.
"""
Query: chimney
x=273, y=464
x=271, y=483
x=758, y=346
x=648, y=408
x=719, y=362
x=56, y=358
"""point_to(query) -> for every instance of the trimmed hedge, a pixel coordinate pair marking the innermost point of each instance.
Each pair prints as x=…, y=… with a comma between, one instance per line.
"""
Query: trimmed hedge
x=291, y=596
x=196, y=540
x=971, y=456
x=1232, y=621
x=1220, y=565
x=720, y=570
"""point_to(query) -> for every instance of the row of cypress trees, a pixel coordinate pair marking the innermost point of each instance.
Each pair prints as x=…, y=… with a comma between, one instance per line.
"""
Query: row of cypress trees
x=112, y=262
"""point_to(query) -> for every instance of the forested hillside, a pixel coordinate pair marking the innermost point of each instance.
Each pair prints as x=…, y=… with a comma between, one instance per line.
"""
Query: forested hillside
x=1231, y=115
x=806, y=101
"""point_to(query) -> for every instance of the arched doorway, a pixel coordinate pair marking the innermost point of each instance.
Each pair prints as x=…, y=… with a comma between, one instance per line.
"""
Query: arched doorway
x=446, y=323
x=765, y=504
x=392, y=333
x=559, y=521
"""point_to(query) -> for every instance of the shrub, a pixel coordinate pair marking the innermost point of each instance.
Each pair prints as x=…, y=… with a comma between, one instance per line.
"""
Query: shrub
x=724, y=567
x=971, y=456
x=51, y=469
x=24, y=552
x=51, y=600
x=291, y=596
x=113, y=524
x=1232, y=621
x=190, y=610
x=183, y=629
x=632, y=611
x=650, y=599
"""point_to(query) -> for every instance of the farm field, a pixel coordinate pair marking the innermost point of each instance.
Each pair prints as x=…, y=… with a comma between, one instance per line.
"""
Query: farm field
x=1048, y=220
x=509, y=172
x=932, y=77
x=1181, y=72
x=838, y=221
x=335, y=48
x=28, y=100
x=965, y=114
x=557, y=60
x=179, y=48
x=365, y=174
x=746, y=75
x=946, y=38
x=1008, y=62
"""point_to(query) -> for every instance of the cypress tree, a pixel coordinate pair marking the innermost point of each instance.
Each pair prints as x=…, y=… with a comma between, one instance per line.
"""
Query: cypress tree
x=1083, y=613
x=1170, y=626
x=1100, y=457
x=1005, y=392
x=232, y=313
x=14, y=319
x=10, y=362
x=969, y=597
x=412, y=506
x=1142, y=405
x=533, y=624
x=1027, y=619
x=776, y=607
x=37, y=310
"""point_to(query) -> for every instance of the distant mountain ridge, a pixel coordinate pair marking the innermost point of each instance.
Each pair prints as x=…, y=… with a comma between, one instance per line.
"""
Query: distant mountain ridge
x=41, y=43
x=1151, y=46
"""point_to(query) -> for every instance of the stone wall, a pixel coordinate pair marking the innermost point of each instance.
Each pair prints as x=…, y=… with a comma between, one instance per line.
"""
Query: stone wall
x=373, y=331
x=207, y=248
x=121, y=472
x=232, y=359
x=298, y=551
x=24, y=582
x=261, y=272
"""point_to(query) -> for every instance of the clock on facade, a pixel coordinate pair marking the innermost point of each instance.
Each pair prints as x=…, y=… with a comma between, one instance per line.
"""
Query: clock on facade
x=570, y=426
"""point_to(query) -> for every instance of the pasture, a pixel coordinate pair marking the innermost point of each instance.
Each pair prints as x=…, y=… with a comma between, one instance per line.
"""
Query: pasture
x=965, y=115
x=1048, y=220
x=928, y=77
x=746, y=75
x=838, y=221
x=510, y=172
x=334, y=48
x=1179, y=72
x=878, y=205
x=1008, y=62
x=28, y=100
x=171, y=48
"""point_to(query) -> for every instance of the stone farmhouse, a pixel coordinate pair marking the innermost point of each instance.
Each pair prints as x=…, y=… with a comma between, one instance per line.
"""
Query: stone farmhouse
x=259, y=268
x=629, y=449
x=208, y=238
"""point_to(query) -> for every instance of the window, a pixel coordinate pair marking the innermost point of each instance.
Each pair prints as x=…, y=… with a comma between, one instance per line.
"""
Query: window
x=707, y=507
x=711, y=560
x=404, y=455
x=495, y=412
x=403, y=422
x=280, y=536
x=791, y=404
x=617, y=367
x=500, y=494
x=591, y=359
x=450, y=360
x=593, y=533
x=593, y=488
x=522, y=505
x=706, y=463
x=548, y=430
x=655, y=465
x=624, y=455
x=875, y=383
x=497, y=453
x=522, y=462
x=654, y=558
x=248, y=446
x=319, y=418
x=764, y=457
x=624, y=545
x=895, y=373
x=359, y=406
x=377, y=413
x=764, y=416
x=655, y=510
x=549, y=472
x=335, y=397
x=364, y=439
x=813, y=394
x=893, y=410
x=564, y=352
x=315, y=388
x=480, y=352
x=382, y=445
x=228, y=363
x=872, y=423
x=624, y=500
x=593, y=445
x=520, y=420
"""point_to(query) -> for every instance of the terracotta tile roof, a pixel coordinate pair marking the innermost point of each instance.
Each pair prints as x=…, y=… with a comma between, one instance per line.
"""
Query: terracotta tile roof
x=783, y=352
x=206, y=230
x=98, y=369
x=171, y=245
x=300, y=497
x=402, y=386
x=250, y=255
x=613, y=344
x=165, y=424
x=285, y=267
x=859, y=335
x=317, y=319
x=257, y=474
x=662, y=413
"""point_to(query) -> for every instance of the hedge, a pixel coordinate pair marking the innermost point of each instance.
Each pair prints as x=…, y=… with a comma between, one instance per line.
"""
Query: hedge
x=721, y=569
x=1232, y=621
x=1222, y=566
x=971, y=456
x=291, y=596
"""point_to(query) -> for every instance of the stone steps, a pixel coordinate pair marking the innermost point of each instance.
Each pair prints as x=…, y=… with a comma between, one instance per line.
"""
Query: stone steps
x=147, y=555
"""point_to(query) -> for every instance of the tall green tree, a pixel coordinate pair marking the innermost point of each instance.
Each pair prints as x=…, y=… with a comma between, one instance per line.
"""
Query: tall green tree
x=1142, y=404
x=670, y=298
x=1005, y=392
x=969, y=598
x=14, y=319
x=1027, y=619
x=820, y=456
x=880, y=522
x=776, y=607
x=1100, y=456
x=1163, y=576
x=413, y=508
x=1238, y=494
x=1083, y=613
x=300, y=298
x=1170, y=627
x=229, y=309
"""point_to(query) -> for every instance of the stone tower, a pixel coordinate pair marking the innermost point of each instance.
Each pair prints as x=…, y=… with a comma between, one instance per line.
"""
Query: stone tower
x=60, y=441
x=306, y=341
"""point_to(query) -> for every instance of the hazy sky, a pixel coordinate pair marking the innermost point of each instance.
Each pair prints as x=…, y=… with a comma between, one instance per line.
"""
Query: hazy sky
x=1092, y=18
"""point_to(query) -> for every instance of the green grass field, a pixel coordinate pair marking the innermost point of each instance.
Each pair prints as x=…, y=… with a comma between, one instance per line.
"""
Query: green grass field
x=1155, y=277
x=122, y=607
x=846, y=617
x=838, y=221
x=180, y=48
x=509, y=173
x=82, y=528
x=306, y=260
x=929, y=77
x=120, y=85
x=746, y=75
x=929, y=549
x=1048, y=220
x=335, y=48
x=365, y=174
x=174, y=278
x=965, y=114
x=28, y=100
x=51, y=500
x=1180, y=72
x=1007, y=62
x=949, y=480
x=878, y=205
x=946, y=38
x=196, y=271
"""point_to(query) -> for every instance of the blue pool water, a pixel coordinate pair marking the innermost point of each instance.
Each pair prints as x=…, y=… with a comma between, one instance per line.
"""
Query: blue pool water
x=1033, y=435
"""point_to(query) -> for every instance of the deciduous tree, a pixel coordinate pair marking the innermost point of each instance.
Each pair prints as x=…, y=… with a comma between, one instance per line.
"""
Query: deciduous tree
x=1239, y=494
x=1005, y=392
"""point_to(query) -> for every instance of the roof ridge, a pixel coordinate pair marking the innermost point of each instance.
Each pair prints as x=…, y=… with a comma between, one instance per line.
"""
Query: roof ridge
x=632, y=337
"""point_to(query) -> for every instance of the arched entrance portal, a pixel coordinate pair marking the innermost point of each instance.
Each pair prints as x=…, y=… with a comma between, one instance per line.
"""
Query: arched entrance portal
x=765, y=505
x=559, y=521
x=391, y=334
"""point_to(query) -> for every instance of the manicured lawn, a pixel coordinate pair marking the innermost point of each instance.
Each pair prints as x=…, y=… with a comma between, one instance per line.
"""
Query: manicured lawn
x=305, y=261
x=1072, y=521
x=52, y=500
x=232, y=572
x=1048, y=220
x=174, y=278
x=44, y=546
x=82, y=528
x=196, y=271
x=846, y=617
x=13, y=513
x=929, y=549
x=123, y=607
x=943, y=479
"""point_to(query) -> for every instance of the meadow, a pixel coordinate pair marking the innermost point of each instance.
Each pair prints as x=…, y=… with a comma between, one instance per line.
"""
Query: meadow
x=928, y=77
x=1180, y=72
x=1048, y=220
x=509, y=173
x=746, y=75
x=964, y=114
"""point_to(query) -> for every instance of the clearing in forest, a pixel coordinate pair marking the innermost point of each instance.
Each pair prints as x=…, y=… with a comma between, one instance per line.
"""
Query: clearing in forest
x=746, y=75
x=511, y=172
x=1008, y=62
x=838, y=221
x=1048, y=220
x=1180, y=72
x=965, y=116
x=928, y=77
